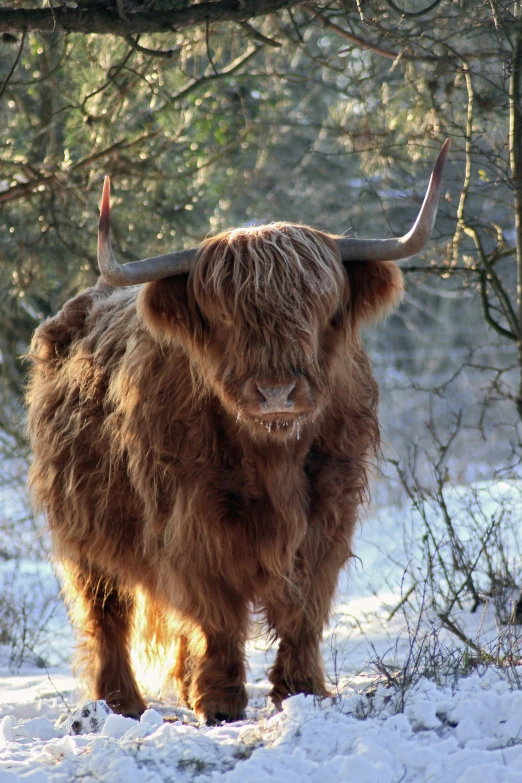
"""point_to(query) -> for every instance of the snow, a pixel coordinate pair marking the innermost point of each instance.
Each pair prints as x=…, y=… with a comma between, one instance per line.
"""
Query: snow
x=456, y=735
x=456, y=730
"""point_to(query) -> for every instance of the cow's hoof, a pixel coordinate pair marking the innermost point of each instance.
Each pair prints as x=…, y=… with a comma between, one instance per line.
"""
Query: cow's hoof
x=280, y=693
x=134, y=714
x=129, y=710
x=215, y=718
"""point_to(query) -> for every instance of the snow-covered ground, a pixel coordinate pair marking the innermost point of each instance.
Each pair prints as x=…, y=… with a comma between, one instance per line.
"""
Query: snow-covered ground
x=467, y=734
x=464, y=729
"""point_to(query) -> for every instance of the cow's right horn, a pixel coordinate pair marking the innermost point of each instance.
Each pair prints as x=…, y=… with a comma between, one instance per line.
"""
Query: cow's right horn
x=135, y=272
x=412, y=242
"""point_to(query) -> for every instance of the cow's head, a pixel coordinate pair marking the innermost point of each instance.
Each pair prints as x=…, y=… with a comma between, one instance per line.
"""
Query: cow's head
x=269, y=314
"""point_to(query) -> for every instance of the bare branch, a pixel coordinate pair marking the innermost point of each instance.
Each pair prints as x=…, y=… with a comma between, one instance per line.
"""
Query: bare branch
x=426, y=10
x=493, y=279
x=257, y=36
x=361, y=41
x=13, y=68
x=113, y=72
x=165, y=53
x=451, y=626
x=515, y=155
x=198, y=81
x=467, y=174
x=486, y=310
x=441, y=270
x=24, y=189
x=103, y=22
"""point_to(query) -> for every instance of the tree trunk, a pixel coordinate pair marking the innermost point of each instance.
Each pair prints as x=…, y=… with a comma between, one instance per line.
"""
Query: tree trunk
x=515, y=140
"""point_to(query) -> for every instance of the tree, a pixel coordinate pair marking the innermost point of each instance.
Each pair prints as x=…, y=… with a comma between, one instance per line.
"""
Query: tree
x=190, y=119
x=313, y=115
x=132, y=17
x=456, y=70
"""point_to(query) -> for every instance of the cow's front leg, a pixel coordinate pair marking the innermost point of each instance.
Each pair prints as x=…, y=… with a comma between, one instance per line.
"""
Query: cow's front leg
x=104, y=615
x=300, y=614
x=216, y=690
x=298, y=667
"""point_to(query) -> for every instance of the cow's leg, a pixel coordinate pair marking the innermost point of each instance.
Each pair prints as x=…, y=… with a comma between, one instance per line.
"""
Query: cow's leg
x=218, y=690
x=217, y=660
x=298, y=667
x=181, y=671
x=103, y=615
x=299, y=614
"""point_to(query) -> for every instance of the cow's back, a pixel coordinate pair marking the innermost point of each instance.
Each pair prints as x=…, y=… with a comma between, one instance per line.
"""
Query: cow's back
x=78, y=478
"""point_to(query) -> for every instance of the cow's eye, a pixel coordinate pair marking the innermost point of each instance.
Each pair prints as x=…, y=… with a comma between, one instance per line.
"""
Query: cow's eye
x=337, y=318
x=203, y=319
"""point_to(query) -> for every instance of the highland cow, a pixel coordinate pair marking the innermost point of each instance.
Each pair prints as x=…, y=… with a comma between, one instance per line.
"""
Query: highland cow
x=203, y=440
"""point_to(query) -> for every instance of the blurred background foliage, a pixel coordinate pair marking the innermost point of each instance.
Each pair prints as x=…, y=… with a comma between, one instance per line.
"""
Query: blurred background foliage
x=327, y=114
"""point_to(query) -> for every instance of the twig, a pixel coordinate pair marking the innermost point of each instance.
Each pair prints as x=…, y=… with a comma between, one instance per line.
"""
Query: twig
x=112, y=73
x=361, y=41
x=467, y=173
x=259, y=36
x=13, y=68
x=451, y=626
x=197, y=82
x=60, y=696
x=209, y=52
x=165, y=53
x=426, y=10
x=486, y=311
x=442, y=270
x=402, y=602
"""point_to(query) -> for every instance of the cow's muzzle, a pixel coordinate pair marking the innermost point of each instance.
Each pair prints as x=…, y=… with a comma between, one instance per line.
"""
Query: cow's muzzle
x=276, y=398
x=277, y=401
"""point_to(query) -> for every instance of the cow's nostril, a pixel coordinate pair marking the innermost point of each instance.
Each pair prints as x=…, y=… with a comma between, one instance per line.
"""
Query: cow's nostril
x=276, y=398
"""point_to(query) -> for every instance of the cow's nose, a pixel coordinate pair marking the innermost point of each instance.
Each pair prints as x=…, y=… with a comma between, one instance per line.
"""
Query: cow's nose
x=277, y=398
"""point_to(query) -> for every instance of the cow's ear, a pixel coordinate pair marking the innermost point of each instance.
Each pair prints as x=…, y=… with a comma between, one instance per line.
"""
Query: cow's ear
x=375, y=288
x=165, y=308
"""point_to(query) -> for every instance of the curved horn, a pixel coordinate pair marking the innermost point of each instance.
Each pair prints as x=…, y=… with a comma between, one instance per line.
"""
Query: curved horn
x=412, y=242
x=148, y=269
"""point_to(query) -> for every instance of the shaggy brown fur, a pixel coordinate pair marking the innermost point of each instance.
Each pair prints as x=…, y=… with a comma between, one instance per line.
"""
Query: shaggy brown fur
x=159, y=470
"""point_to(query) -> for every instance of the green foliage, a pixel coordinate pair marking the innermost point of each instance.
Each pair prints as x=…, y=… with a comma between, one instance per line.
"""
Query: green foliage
x=231, y=129
x=183, y=140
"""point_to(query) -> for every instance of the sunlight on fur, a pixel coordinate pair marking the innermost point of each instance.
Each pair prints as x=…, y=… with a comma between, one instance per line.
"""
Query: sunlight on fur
x=153, y=647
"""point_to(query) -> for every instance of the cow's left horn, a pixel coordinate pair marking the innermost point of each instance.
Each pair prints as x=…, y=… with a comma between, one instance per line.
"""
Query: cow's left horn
x=412, y=242
x=135, y=272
